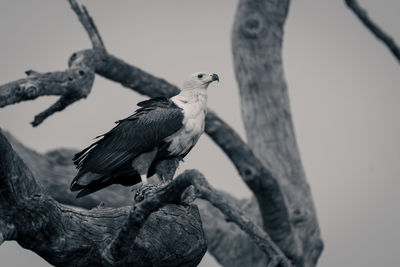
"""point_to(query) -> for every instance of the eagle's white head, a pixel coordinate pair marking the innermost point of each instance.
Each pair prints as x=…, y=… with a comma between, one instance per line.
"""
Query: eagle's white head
x=200, y=80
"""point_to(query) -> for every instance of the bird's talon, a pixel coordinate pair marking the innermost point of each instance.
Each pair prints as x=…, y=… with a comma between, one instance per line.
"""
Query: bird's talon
x=146, y=190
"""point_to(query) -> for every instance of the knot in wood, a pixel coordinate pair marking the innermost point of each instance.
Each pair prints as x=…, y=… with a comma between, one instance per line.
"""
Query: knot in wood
x=80, y=81
x=252, y=26
x=28, y=90
x=80, y=58
x=248, y=173
x=137, y=215
x=31, y=91
x=298, y=215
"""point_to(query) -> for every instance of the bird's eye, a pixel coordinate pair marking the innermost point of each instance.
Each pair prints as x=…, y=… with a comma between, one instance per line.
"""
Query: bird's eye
x=200, y=76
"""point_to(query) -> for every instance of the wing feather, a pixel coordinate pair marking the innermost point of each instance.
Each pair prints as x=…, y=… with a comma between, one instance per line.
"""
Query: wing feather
x=141, y=132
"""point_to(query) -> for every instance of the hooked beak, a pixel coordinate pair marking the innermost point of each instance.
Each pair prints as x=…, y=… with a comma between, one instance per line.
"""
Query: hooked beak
x=215, y=77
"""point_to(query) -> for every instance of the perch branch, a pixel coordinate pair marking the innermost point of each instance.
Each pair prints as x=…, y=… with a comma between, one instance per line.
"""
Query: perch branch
x=362, y=14
x=66, y=236
x=204, y=191
x=143, y=209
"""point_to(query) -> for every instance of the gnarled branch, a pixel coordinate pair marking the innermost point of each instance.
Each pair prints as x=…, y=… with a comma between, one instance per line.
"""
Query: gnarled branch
x=66, y=236
x=71, y=85
x=54, y=170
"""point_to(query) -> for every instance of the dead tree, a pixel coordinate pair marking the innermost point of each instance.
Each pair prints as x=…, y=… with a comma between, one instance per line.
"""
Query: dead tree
x=279, y=226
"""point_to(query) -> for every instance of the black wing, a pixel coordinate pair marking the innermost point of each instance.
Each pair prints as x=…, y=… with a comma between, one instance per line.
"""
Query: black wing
x=141, y=132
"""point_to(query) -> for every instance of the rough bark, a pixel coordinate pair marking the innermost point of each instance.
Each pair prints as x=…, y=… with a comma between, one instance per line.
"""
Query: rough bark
x=71, y=85
x=66, y=236
x=257, y=49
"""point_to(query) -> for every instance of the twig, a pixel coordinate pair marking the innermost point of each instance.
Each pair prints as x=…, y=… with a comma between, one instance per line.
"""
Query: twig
x=88, y=24
x=374, y=28
x=61, y=104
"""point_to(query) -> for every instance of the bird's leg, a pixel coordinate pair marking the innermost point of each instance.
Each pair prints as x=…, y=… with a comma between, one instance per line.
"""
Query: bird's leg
x=143, y=177
x=166, y=168
x=141, y=164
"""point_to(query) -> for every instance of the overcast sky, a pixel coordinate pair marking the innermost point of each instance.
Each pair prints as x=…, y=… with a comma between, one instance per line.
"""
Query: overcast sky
x=343, y=85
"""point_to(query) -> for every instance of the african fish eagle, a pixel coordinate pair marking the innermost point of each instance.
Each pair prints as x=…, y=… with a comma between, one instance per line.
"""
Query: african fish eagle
x=161, y=131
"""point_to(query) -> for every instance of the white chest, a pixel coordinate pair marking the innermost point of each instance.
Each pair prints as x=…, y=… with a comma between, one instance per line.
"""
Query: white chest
x=194, y=110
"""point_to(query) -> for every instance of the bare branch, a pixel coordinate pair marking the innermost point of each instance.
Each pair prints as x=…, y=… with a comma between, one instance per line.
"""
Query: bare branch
x=88, y=24
x=61, y=104
x=374, y=28
x=266, y=189
x=72, y=84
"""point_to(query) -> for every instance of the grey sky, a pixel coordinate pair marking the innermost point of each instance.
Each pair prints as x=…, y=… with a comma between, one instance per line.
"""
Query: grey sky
x=343, y=85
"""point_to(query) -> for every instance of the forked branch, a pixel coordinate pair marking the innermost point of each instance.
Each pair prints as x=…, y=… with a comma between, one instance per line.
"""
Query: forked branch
x=71, y=85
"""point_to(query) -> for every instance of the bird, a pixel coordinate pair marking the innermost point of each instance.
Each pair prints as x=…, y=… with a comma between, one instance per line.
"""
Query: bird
x=154, y=139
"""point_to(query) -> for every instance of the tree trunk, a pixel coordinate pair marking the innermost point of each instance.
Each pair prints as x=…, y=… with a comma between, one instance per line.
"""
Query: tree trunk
x=257, y=49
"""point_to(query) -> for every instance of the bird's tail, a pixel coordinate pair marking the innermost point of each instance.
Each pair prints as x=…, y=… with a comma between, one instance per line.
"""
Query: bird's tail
x=102, y=181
